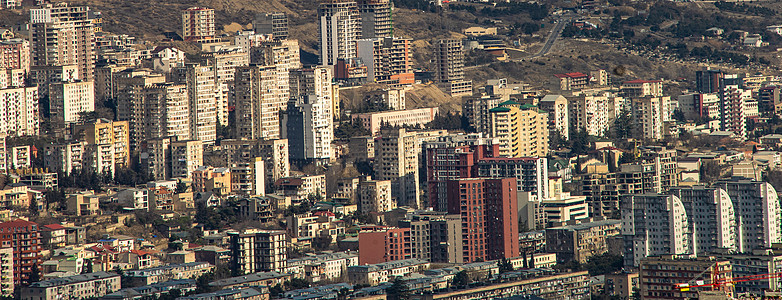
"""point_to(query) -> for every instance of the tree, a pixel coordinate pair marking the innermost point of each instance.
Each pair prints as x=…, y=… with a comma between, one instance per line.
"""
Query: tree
x=35, y=274
x=296, y=283
x=604, y=264
x=506, y=266
x=678, y=115
x=461, y=280
x=321, y=243
x=398, y=290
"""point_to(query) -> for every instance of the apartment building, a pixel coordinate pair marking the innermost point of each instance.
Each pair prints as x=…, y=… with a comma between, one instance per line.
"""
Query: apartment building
x=68, y=99
x=115, y=134
x=476, y=110
x=647, y=116
x=155, y=158
x=214, y=180
x=323, y=267
x=198, y=24
x=63, y=35
x=82, y=286
x=339, y=26
x=248, y=177
x=376, y=20
x=396, y=159
x=308, y=126
x=258, y=102
x=203, y=94
x=7, y=271
x=224, y=62
x=656, y=276
x=713, y=219
x=411, y=117
x=595, y=113
x=275, y=24
x=564, y=207
x=653, y=224
x=313, y=225
x=186, y=157
x=435, y=237
x=642, y=88
x=283, y=54
x=454, y=156
x=161, y=110
x=375, y=274
x=19, y=110
x=378, y=244
x=255, y=250
x=24, y=237
x=489, y=210
x=388, y=60
x=758, y=214
x=302, y=187
x=522, y=129
x=375, y=196
x=558, y=114
x=579, y=242
x=531, y=173
x=450, y=68
x=15, y=54
x=572, y=81
x=275, y=154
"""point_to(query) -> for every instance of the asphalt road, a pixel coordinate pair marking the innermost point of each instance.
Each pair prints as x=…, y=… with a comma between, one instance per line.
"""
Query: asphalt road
x=552, y=37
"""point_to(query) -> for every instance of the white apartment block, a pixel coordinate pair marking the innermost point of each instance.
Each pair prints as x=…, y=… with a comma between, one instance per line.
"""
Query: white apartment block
x=712, y=217
x=68, y=99
x=653, y=224
x=284, y=55
x=595, y=113
x=164, y=112
x=202, y=92
x=19, y=111
x=758, y=213
x=7, y=271
x=308, y=126
x=65, y=158
x=396, y=159
x=557, y=108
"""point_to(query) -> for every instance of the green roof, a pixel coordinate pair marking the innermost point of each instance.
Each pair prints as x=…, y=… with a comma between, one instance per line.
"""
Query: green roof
x=499, y=109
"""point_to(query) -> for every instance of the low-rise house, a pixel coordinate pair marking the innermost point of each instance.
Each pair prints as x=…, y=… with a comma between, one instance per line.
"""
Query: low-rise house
x=321, y=267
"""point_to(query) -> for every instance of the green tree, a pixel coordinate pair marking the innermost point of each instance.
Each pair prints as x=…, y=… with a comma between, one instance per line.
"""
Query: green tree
x=505, y=265
x=461, y=280
x=398, y=290
x=321, y=243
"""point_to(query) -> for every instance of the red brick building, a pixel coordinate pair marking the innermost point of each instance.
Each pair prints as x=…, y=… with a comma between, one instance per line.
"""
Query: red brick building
x=377, y=244
x=452, y=157
x=24, y=237
x=489, y=211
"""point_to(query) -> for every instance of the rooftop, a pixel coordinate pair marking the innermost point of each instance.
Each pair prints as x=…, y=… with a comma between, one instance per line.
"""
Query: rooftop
x=73, y=279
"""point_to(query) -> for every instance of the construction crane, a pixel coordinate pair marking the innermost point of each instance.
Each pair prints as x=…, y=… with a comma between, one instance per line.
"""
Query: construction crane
x=696, y=283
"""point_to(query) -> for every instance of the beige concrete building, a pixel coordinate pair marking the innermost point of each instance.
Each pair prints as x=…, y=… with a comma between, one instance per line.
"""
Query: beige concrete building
x=275, y=24
x=450, y=68
x=396, y=159
x=339, y=26
x=224, y=62
x=375, y=196
x=155, y=157
x=82, y=286
x=164, y=111
x=114, y=134
x=521, y=129
x=214, y=180
x=63, y=35
x=83, y=204
x=203, y=101
x=388, y=60
x=15, y=54
x=257, y=250
x=258, y=102
x=198, y=24
x=579, y=242
x=655, y=276
x=410, y=117
x=186, y=156
x=283, y=54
